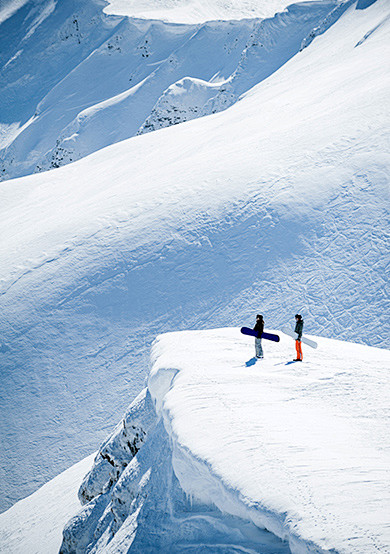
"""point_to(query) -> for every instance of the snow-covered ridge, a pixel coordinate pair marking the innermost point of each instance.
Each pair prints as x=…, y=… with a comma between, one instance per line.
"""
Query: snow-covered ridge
x=99, y=79
x=195, y=11
x=296, y=449
x=271, y=44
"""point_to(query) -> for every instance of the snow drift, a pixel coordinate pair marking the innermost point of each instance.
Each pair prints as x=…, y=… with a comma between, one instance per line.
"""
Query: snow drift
x=294, y=449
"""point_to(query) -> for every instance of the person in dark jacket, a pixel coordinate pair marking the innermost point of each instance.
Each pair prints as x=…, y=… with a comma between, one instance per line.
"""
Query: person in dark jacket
x=298, y=342
x=259, y=328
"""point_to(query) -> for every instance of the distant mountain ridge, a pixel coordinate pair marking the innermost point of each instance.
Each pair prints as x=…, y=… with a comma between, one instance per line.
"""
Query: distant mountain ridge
x=76, y=80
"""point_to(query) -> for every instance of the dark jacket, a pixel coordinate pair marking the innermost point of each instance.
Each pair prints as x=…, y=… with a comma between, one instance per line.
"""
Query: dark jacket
x=299, y=328
x=259, y=328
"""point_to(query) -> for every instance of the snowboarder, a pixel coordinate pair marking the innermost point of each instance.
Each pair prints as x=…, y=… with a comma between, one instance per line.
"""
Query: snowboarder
x=259, y=328
x=298, y=342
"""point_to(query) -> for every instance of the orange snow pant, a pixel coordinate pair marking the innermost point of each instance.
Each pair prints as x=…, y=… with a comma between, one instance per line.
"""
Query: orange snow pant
x=298, y=346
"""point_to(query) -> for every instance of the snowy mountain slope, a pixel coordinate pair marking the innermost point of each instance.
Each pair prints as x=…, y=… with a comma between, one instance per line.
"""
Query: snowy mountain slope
x=271, y=44
x=41, y=44
x=60, y=88
x=278, y=205
x=119, y=117
x=35, y=524
x=114, y=70
x=297, y=449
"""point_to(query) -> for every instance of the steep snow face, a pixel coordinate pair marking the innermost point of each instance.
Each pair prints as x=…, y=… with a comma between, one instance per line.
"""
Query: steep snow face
x=276, y=205
x=41, y=43
x=99, y=79
x=271, y=44
x=122, y=445
x=296, y=449
x=136, y=504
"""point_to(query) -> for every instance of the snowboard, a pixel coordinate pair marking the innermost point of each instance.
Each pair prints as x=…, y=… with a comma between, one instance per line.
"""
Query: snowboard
x=252, y=333
x=292, y=334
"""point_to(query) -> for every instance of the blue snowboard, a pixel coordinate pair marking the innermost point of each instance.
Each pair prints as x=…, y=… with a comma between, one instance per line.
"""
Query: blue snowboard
x=252, y=333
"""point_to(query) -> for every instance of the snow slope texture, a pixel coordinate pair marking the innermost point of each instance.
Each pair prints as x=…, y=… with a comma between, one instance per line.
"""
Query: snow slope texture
x=278, y=204
x=34, y=525
x=297, y=449
x=271, y=43
x=99, y=79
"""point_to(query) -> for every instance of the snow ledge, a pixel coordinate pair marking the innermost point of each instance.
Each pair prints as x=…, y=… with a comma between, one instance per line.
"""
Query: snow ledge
x=238, y=447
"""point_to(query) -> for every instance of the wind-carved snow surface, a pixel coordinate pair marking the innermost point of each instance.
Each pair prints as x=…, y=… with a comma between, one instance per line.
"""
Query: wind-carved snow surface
x=239, y=446
x=118, y=77
x=277, y=205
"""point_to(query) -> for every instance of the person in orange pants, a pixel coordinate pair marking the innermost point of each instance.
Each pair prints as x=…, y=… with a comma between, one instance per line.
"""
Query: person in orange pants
x=298, y=343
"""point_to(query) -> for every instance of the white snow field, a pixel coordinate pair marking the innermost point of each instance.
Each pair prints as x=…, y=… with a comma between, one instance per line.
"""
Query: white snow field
x=277, y=205
x=195, y=11
x=299, y=449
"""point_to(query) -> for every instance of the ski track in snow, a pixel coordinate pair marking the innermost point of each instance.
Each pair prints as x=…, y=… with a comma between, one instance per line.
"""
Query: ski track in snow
x=285, y=211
